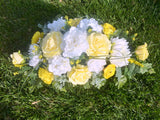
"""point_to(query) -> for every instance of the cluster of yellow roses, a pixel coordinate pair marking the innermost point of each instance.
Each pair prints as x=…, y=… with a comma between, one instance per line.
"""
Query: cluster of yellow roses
x=99, y=45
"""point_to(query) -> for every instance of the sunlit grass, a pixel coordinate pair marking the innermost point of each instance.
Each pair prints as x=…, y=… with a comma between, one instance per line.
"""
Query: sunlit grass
x=138, y=99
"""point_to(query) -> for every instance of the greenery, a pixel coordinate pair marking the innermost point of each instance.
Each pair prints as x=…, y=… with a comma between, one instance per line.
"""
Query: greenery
x=138, y=99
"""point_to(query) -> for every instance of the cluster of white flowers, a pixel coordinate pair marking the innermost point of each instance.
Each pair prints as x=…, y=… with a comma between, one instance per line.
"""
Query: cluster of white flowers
x=57, y=25
x=86, y=23
x=34, y=55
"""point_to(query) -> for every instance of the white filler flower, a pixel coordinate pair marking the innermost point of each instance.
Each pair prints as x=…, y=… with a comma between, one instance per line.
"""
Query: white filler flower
x=59, y=65
x=33, y=49
x=56, y=25
x=120, y=52
x=96, y=65
x=74, y=42
x=34, y=60
x=85, y=23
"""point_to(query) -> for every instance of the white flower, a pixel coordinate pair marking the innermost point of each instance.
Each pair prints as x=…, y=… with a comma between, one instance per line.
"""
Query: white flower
x=96, y=65
x=120, y=52
x=75, y=42
x=56, y=25
x=34, y=60
x=85, y=23
x=59, y=65
x=33, y=49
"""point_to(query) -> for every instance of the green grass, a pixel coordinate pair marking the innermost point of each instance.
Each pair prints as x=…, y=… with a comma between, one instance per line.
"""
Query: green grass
x=138, y=99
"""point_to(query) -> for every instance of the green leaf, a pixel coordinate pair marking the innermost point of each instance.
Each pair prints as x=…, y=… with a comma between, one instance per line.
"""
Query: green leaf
x=121, y=81
x=131, y=68
x=151, y=71
x=118, y=72
x=59, y=82
x=146, y=68
x=97, y=80
x=125, y=70
x=87, y=85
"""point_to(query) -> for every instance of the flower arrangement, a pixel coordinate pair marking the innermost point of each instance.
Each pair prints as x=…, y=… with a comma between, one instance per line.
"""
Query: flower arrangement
x=81, y=51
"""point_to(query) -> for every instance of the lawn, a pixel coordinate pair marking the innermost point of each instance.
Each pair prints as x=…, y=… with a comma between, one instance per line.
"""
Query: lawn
x=138, y=99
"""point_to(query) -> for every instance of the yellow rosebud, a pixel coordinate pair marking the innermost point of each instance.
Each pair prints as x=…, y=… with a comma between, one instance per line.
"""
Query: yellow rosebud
x=46, y=76
x=40, y=57
x=89, y=30
x=142, y=52
x=99, y=44
x=79, y=75
x=41, y=35
x=51, y=44
x=35, y=37
x=78, y=61
x=66, y=17
x=15, y=73
x=133, y=38
x=74, y=22
x=71, y=62
x=108, y=29
x=127, y=32
x=135, y=35
x=17, y=59
x=109, y=71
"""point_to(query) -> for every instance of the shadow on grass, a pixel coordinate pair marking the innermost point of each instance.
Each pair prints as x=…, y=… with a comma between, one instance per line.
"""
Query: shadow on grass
x=19, y=20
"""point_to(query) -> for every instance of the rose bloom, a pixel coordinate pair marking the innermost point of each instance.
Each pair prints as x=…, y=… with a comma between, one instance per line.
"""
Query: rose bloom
x=59, y=65
x=120, y=52
x=142, y=52
x=79, y=75
x=46, y=76
x=17, y=59
x=96, y=65
x=74, y=43
x=36, y=37
x=99, y=44
x=109, y=71
x=51, y=44
x=108, y=29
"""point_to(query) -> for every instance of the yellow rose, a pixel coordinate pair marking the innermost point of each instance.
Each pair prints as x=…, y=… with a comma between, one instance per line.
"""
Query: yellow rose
x=109, y=71
x=74, y=22
x=108, y=29
x=99, y=44
x=51, y=44
x=142, y=52
x=36, y=37
x=46, y=76
x=17, y=59
x=79, y=75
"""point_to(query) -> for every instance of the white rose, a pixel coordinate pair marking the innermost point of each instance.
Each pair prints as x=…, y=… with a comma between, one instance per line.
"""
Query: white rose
x=74, y=42
x=120, y=52
x=59, y=65
x=96, y=65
